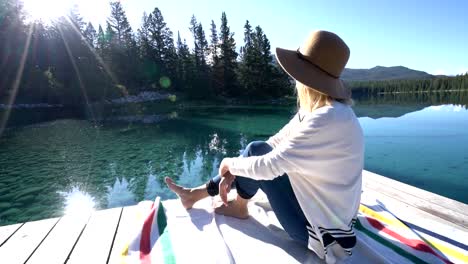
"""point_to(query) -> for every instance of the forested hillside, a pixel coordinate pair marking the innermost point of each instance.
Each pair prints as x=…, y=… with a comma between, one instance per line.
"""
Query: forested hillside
x=71, y=61
x=457, y=83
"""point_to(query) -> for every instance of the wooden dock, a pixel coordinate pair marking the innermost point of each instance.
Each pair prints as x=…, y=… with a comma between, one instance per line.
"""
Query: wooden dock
x=101, y=236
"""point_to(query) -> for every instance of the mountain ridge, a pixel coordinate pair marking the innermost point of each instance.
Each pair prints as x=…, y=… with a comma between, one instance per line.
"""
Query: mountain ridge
x=381, y=73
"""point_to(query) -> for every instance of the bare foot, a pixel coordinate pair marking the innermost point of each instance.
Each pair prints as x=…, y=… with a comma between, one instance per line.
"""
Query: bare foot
x=236, y=208
x=185, y=194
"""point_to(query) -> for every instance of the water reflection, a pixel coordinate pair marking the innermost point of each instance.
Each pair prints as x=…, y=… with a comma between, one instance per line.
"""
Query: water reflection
x=197, y=168
x=216, y=144
x=441, y=120
x=426, y=148
x=459, y=97
x=153, y=188
x=119, y=194
x=122, y=163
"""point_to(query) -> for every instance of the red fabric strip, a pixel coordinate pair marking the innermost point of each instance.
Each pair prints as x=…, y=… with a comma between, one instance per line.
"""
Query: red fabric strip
x=413, y=243
x=145, y=242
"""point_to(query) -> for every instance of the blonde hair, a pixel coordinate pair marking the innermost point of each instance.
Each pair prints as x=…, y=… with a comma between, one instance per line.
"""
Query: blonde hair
x=309, y=99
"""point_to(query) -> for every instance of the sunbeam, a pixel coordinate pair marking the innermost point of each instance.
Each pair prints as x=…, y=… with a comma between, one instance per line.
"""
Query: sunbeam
x=17, y=82
x=41, y=10
x=82, y=87
x=98, y=58
x=77, y=72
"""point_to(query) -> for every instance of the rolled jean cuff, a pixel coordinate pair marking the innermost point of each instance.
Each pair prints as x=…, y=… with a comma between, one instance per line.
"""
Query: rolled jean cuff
x=243, y=194
x=212, y=188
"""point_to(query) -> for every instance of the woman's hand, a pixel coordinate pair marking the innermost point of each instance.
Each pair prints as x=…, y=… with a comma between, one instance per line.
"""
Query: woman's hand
x=224, y=166
x=225, y=186
x=226, y=180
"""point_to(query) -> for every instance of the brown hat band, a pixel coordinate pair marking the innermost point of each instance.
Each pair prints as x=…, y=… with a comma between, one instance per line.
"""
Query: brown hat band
x=303, y=57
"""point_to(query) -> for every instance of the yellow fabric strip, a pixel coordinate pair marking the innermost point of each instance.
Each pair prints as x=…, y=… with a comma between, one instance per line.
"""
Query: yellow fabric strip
x=396, y=223
x=124, y=253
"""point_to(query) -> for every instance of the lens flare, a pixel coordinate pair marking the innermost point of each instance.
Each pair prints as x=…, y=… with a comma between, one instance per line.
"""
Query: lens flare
x=165, y=82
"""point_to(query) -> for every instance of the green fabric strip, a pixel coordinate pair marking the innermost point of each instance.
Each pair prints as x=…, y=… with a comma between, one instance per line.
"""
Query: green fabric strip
x=166, y=246
x=387, y=243
x=164, y=238
x=161, y=218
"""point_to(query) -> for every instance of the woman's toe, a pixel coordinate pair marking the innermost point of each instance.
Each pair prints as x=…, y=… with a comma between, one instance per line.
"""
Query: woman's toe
x=174, y=187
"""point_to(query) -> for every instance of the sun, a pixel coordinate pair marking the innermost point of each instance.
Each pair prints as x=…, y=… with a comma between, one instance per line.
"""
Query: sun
x=46, y=10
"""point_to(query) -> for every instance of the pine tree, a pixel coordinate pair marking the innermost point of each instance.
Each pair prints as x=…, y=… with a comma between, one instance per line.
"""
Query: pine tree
x=264, y=47
x=76, y=19
x=258, y=74
x=196, y=49
x=200, y=52
x=163, y=49
x=101, y=41
x=214, y=45
x=123, y=51
x=247, y=35
x=148, y=69
x=157, y=35
x=216, y=70
x=247, y=67
x=185, y=67
x=90, y=35
x=170, y=60
x=228, y=57
x=109, y=43
x=263, y=60
x=119, y=23
x=144, y=44
x=202, y=45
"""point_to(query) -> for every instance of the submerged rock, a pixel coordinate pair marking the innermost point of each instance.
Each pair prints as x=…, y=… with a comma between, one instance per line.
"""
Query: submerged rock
x=22, y=106
x=141, y=97
x=145, y=119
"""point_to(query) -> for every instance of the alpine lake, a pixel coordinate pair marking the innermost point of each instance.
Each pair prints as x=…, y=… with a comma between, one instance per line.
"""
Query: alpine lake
x=55, y=162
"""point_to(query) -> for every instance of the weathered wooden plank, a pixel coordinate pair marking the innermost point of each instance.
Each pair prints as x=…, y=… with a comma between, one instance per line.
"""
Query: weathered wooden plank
x=21, y=245
x=411, y=191
x=7, y=231
x=96, y=240
x=60, y=241
x=423, y=204
x=126, y=231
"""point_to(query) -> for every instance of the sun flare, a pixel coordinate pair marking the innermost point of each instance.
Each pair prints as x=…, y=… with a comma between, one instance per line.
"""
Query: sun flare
x=46, y=10
x=78, y=202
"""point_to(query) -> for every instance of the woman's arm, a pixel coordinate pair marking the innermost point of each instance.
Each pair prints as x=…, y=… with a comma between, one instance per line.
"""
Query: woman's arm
x=284, y=158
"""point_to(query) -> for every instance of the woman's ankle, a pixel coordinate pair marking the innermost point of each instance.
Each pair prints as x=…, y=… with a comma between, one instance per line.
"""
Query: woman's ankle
x=242, y=201
x=236, y=208
x=198, y=193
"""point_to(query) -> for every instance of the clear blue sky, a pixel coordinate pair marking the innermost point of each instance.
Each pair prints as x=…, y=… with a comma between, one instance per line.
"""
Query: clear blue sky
x=425, y=35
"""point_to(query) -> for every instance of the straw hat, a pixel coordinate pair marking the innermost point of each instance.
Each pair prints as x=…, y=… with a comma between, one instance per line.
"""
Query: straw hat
x=318, y=63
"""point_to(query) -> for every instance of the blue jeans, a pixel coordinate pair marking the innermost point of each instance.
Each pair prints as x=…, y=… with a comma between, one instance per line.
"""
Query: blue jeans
x=280, y=194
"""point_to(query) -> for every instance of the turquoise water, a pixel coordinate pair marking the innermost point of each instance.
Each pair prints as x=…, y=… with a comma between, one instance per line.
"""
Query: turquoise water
x=67, y=165
x=427, y=148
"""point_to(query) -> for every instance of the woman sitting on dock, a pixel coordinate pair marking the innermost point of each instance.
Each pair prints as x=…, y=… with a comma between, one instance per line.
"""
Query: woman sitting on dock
x=311, y=170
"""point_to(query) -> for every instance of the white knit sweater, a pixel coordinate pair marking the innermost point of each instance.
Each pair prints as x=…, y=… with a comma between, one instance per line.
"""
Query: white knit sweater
x=323, y=154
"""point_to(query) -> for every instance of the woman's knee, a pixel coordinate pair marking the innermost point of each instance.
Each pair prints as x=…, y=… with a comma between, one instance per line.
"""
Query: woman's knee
x=257, y=148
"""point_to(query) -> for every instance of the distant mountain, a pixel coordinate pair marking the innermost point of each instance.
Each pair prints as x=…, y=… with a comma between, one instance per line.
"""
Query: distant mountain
x=383, y=73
